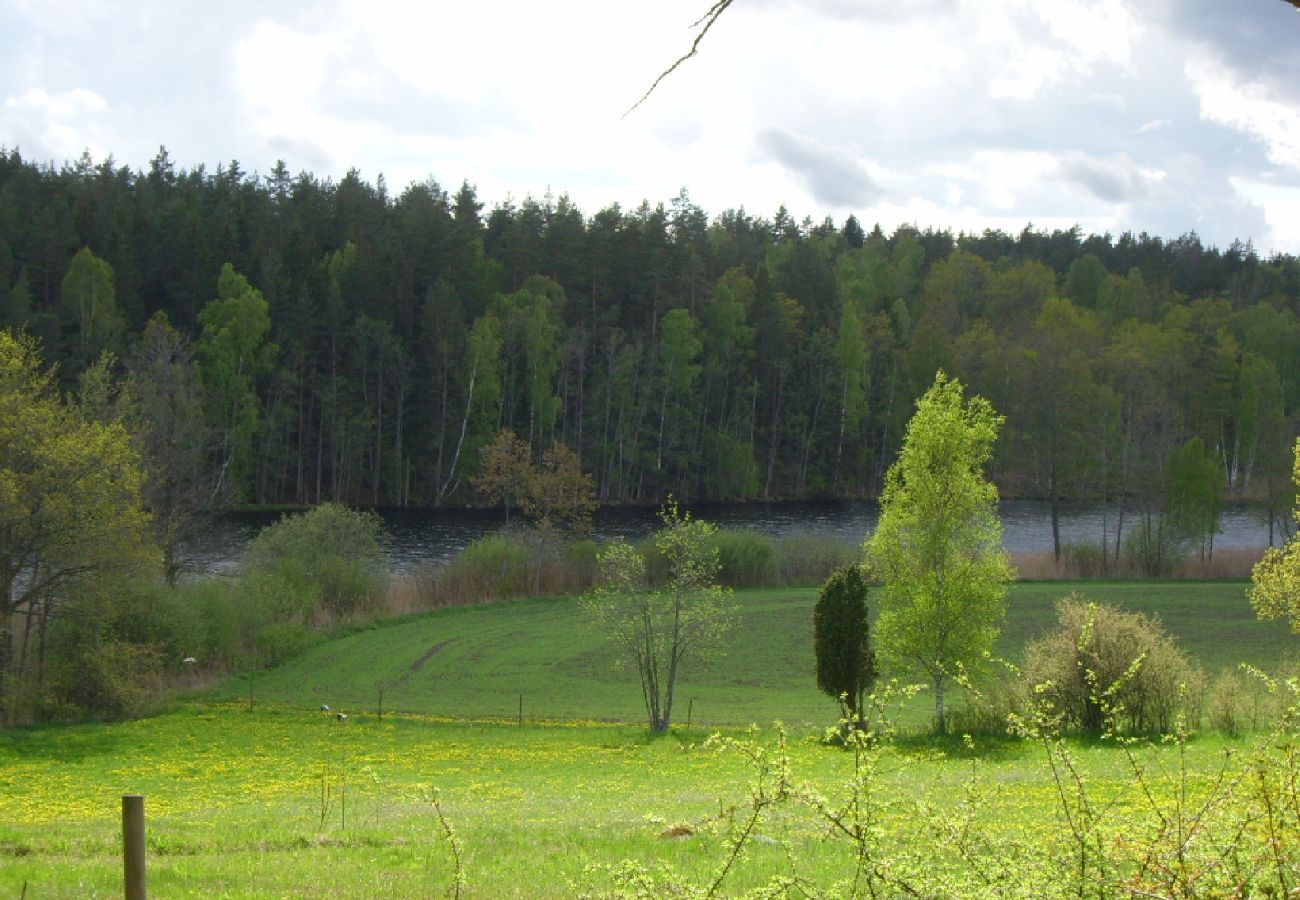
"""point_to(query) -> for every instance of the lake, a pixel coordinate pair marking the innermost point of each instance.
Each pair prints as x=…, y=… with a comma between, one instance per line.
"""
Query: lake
x=425, y=537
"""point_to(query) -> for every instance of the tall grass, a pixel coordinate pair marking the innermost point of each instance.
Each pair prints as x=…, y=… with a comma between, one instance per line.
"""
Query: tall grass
x=1083, y=561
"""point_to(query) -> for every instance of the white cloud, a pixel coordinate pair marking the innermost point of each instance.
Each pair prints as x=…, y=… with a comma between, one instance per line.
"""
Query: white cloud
x=1026, y=76
x=54, y=126
x=1246, y=106
x=1281, y=206
x=62, y=105
x=962, y=113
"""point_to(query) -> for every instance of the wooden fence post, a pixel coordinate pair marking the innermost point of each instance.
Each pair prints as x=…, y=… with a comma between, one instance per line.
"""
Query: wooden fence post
x=133, y=871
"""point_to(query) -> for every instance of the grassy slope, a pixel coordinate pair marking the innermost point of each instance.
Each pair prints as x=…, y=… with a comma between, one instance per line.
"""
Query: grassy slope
x=546, y=650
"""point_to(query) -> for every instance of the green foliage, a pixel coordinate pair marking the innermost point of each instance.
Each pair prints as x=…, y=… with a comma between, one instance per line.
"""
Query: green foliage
x=71, y=521
x=330, y=553
x=1154, y=547
x=1275, y=589
x=1087, y=560
x=714, y=357
x=96, y=675
x=88, y=304
x=1102, y=668
x=745, y=558
x=846, y=664
x=233, y=355
x=169, y=430
x=936, y=549
x=659, y=629
x=1196, y=484
x=493, y=566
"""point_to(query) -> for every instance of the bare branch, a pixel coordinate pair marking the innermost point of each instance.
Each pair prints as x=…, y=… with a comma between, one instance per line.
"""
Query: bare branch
x=707, y=19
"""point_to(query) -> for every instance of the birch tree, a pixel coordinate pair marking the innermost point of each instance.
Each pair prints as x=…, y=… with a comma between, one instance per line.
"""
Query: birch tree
x=937, y=550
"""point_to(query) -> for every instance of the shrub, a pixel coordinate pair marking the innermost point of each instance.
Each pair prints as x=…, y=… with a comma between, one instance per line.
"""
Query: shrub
x=160, y=616
x=490, y=567
x=229, y=620
x=1229, y=704
x=338, y=550
x=1102, y=667
x=988, y=711
x=280, y=642
x=846, y=665
x=107, y=677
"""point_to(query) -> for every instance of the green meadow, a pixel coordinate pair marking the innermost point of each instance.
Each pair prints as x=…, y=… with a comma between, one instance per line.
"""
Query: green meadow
x=478, y=661
x=279, y=799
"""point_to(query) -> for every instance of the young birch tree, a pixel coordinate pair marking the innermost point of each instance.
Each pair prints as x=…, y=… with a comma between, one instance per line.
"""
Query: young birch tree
x=660, y=629
x=937, y=550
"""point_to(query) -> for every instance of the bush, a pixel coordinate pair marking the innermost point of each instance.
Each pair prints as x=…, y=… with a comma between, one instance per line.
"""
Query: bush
x=988, y=711
x=107, y=678
x=336, y=549
x=846, y=664
x=280, y=642
x=160, y=616
x=1103, y=667
x=491, y=567
x=1230, y=704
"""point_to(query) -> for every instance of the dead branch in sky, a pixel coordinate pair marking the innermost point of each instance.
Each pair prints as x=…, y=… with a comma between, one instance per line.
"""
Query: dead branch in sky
x=706, y=21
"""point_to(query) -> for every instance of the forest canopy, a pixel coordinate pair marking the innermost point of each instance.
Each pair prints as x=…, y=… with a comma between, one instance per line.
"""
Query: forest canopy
x=343, y=342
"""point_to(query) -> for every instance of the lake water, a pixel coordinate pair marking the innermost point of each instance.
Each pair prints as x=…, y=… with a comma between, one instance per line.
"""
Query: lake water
x=420, y=538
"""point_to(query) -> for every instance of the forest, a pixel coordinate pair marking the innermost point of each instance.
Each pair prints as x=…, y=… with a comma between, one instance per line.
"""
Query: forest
x=291, y=339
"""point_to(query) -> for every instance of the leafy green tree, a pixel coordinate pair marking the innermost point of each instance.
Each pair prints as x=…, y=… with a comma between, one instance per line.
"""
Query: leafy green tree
x=846, y=664
x=1275, y=588
x=89, y=307
x=1057, y=403
x=679, y=351
x=71, y=515
x=936, y=549
x=233, y=354
x=1084, y=280
x=1195, y=484
x=851, y=355
x=659, y=630
x=171, y=435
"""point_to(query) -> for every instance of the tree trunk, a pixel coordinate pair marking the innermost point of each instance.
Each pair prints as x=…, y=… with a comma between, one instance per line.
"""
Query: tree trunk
x=939, y=718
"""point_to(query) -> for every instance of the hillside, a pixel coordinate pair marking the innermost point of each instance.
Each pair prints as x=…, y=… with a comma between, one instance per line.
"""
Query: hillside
x=476, y=662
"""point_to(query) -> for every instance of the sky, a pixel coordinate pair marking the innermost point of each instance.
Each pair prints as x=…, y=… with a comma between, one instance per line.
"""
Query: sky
x=1165, y=116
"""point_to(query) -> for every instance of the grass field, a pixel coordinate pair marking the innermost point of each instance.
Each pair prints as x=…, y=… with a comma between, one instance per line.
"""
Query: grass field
x=284, y=801
x=288, y=804
x=478, y=661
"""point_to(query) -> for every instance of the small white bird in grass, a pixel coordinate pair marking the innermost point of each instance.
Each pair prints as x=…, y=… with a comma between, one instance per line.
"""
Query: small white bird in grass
x=342, y=717
x=189, y=660
x=324, y=707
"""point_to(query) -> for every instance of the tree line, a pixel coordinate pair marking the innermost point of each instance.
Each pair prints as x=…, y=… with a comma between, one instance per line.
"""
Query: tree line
x=291, y=339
